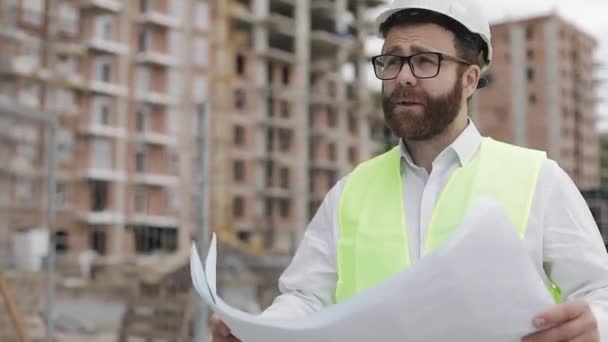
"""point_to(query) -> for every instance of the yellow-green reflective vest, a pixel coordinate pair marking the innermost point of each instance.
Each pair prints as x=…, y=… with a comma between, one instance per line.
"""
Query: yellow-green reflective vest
x=373, y=242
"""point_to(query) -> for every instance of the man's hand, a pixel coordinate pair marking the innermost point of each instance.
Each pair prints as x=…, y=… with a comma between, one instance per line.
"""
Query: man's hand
x=220, y=331
x=570, y=321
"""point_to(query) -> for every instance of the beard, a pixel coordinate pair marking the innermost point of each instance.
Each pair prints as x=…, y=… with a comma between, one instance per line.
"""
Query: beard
x=422, y=122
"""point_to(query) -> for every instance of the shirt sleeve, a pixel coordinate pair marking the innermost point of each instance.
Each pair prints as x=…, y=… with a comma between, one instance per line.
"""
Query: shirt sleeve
x=575, y=256
x=309, y=283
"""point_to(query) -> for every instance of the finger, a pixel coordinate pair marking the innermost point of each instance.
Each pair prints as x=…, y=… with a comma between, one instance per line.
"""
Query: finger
x=566, y=331
x=592, y=334
x=230, y=338
x=561, y=313
x=589, y=337
x=219, y=327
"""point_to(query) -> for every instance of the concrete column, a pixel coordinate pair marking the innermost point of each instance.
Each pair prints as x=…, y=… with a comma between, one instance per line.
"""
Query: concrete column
x=220, y=95
x=341, y=8
x=519, y=85
x=118, y=235
x=261, y=38
x=301, y=107
x=261, y=9
x=553, y=86
x=186, y=111
x=342, y=57
x=366, y=106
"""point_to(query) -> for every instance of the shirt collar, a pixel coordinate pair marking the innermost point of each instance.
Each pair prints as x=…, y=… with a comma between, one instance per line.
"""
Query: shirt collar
x=465, y=146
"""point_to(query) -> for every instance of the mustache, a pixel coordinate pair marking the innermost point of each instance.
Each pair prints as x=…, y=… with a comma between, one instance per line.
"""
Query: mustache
x=406, y=94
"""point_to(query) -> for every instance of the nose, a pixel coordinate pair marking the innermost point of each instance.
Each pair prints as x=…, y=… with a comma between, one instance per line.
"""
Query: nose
x=406, y=76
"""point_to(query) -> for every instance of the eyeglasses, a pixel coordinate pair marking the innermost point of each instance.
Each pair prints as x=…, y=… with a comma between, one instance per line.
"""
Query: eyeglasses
x=423, y=65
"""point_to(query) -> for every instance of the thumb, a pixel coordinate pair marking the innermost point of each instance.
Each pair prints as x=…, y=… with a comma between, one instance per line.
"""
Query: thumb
x=220, y=326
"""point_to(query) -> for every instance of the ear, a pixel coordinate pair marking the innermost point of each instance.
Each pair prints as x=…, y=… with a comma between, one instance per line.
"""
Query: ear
x=470, y=79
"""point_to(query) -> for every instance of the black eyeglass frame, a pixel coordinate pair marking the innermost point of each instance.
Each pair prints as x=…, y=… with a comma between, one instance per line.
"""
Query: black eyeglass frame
x=441, y=57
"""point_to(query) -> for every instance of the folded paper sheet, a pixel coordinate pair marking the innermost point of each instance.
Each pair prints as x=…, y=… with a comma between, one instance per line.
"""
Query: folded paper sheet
x=479, y=286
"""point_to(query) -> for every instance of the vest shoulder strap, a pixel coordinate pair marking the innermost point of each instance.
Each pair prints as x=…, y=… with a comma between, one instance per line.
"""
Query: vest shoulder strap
x=504, y=172
x=371, y=219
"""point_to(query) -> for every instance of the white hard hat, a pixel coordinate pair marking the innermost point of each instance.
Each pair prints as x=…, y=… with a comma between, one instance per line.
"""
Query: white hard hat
x=466, y=12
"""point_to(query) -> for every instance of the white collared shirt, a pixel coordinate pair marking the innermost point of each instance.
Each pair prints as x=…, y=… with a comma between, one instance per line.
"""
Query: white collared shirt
x=562, y=237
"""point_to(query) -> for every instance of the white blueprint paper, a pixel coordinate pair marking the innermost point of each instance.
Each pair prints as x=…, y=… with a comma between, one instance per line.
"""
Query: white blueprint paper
x=479, y=286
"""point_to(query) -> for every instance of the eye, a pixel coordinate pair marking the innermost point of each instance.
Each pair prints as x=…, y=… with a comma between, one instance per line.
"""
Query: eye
x=426, y=59
x=392, y=60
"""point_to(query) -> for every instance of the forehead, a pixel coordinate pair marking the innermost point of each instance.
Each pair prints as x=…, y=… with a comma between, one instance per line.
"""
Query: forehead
x=407, y=39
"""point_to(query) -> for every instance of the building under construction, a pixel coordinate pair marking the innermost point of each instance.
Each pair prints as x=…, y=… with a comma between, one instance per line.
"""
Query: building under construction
x=543, y=93
x=288, y=108
x=291, y=112
x=120, y=77
x=288, y=104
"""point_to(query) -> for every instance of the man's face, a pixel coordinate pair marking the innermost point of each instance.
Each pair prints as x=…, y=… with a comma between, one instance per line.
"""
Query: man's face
x=419, y=109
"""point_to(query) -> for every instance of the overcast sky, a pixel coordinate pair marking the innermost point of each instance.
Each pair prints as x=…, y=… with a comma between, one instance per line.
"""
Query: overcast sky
x=588, y=15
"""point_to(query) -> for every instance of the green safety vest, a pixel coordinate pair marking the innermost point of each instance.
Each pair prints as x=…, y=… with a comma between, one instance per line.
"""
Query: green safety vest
x=373, y=243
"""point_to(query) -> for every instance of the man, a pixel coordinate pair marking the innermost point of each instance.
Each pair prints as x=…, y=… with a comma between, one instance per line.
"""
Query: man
x=394, y=209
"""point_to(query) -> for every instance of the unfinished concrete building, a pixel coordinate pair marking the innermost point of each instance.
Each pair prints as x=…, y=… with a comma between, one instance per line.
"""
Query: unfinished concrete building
x=287, y=123
x=542, y=93
x=124, y=82
x=290, y=113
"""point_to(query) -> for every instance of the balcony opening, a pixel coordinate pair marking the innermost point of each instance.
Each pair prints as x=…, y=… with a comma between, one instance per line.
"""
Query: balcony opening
x=98, y=240
x=285, y=110
x=270, y=104
x=244, y=235
x=530, y=74
x=285, y=178
x=105, y=115
x=332, y=117
x=238, y=207
x=353, y=155
x=353, y=125
x=281, y=42
x=141, y=159
x=144, y=6
x=270, y=140
x=99, y=195
x=269, y=173
x=105, y=71
x=240, y=65
x=239, y=99
x=331, y=179
x=141, y=120
x=140, y=200
x=104, y=24
x=312, y=181
x=284, y=9
x=269, y=207
x=285, y=208
x=270, y=72
x=331, y=151
x=62, y=245
x=286, y=75
x=142, y=40
x=529, y=33
x=285, y=140
x=312, y=150
x=238, y=171
x=154, y=239
x=238, y=136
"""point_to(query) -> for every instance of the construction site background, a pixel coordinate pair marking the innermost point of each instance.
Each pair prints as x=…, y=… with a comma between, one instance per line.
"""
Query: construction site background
x=131, y=129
